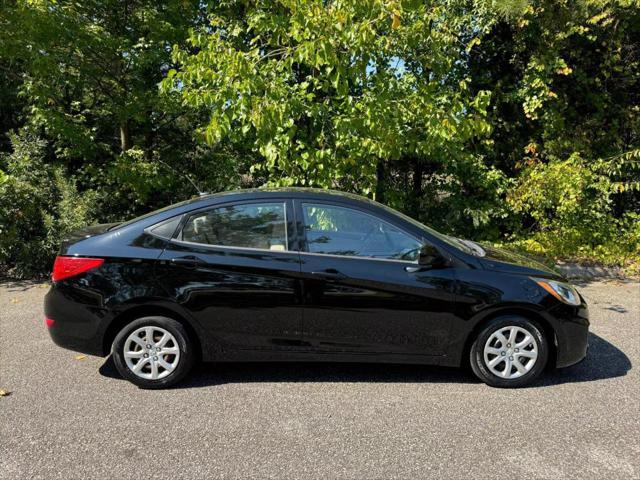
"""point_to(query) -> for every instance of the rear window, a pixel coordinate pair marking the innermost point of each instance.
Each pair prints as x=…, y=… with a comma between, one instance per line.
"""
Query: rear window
x=150, y=214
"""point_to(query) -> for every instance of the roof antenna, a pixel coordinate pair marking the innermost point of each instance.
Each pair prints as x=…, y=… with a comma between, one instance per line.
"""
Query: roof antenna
x=184, y=175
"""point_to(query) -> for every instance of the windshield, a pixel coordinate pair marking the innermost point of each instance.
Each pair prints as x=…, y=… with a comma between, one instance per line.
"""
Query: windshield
x=454, y=242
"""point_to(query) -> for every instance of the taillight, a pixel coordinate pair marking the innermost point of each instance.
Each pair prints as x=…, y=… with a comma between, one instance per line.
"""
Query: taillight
x=65, y=267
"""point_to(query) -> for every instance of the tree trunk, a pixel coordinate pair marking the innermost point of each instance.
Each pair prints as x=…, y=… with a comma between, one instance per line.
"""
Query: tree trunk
x=148, y=142
x=125, y=136
x=416, y=188
x=381, y=181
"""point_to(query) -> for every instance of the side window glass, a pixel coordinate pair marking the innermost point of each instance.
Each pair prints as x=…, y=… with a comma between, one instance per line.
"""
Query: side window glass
x=257, y=225
x=344, y=231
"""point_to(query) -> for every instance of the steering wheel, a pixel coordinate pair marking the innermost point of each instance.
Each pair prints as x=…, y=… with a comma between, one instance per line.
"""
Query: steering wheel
x=386, y=235
x=366, y=237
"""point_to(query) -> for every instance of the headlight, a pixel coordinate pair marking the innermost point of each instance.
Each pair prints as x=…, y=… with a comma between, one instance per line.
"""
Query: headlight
x=562, y=291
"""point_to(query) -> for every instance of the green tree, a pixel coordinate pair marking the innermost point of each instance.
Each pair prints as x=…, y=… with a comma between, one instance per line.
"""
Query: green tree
x=565, y=77
x=514, y=120
x=332, y=94
x=90, y=80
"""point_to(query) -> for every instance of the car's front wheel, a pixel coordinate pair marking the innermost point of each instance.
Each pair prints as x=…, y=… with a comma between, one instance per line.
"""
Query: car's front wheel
x=153, y=352
x=509, y=352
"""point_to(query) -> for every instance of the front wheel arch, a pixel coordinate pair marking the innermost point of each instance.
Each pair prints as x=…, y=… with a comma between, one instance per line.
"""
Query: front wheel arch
x=547, y=330
x=534, y=347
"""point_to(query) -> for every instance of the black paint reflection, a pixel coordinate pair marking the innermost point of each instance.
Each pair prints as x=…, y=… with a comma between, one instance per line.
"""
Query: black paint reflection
x=243, y=299
x=376, y=306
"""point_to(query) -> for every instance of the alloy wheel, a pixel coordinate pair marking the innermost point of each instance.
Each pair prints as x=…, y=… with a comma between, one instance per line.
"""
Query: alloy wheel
x=510, y=352
x=151, y=352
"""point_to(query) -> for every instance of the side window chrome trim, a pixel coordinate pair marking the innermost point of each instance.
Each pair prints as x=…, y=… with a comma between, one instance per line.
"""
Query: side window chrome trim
x=362, y=257
x=230, y=247
x=296, y=252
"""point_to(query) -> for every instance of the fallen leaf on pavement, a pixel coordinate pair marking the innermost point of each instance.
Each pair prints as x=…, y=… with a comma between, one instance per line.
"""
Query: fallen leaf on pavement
x=4, y=393
x=80, y=357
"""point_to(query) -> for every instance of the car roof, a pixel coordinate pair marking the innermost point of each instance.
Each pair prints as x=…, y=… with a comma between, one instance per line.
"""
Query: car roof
x=206, y=200
x=268, y=192
x=288, y=191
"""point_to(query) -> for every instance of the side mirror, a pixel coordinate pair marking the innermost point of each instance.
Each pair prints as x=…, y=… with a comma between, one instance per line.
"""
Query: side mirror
x=431, y=257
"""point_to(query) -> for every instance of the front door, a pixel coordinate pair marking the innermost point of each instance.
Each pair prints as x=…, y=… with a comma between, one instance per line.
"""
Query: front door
x=363, y=291
x=231, y=267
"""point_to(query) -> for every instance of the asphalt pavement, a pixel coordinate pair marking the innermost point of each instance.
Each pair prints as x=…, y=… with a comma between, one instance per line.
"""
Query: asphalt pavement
x=70, y=416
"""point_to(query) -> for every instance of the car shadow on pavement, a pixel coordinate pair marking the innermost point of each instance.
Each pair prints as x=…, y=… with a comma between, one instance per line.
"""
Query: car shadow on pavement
x=603, y=361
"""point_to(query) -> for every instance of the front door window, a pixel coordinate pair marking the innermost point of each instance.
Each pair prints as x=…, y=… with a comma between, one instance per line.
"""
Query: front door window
x=335, y=230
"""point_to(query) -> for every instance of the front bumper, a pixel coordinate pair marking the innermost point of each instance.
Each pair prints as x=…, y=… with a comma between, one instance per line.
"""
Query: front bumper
x=571, y=324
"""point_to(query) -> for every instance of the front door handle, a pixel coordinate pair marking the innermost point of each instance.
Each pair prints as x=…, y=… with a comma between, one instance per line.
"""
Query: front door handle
x=190, y=261
x=329, y=274
x=416, y=269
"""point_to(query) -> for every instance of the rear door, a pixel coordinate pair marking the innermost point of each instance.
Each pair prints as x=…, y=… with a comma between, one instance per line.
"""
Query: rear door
x=232, y=268
x=363, y=289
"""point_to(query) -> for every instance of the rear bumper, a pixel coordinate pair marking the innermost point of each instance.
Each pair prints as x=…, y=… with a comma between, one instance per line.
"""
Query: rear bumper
x=76, y=323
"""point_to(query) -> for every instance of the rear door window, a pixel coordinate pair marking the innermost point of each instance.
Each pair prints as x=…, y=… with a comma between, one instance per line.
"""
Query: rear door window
x=249, y=225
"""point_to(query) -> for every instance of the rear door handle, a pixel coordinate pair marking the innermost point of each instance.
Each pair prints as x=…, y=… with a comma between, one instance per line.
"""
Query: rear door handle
x=329, y=274
x=190, y=261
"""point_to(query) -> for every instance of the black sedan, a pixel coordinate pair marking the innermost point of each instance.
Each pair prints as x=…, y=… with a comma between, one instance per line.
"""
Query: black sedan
x=303, y=274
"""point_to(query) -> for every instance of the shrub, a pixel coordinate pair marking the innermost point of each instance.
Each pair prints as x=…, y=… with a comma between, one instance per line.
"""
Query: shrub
x=567, y=206
x=39, y=205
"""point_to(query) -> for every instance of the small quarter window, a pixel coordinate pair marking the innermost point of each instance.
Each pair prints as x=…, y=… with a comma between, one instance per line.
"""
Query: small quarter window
x=167, y=228
x=256, y=225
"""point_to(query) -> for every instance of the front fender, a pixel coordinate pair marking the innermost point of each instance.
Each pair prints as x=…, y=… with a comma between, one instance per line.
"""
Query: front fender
x=478, y=300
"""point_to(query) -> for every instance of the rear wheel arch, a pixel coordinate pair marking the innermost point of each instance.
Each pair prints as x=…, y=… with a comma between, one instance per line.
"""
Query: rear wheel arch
x=133, y=313
x=547, y=330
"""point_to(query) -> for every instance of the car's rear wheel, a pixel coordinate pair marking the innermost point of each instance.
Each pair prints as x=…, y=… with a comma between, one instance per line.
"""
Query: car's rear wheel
x=509, y=352
x=153, y=352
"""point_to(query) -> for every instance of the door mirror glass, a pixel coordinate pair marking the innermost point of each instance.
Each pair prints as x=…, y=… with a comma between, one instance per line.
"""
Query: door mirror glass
x=430, y=256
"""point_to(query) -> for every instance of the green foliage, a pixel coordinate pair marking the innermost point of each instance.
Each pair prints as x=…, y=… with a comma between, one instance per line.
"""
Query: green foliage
x=570, y=207
x=565, y=77
x=623, y=170
x=565, y=81
x=513, y=121
x=322, y=93
x=562, y=195
x=618, y=246
x=39, y=205
x=91, y=69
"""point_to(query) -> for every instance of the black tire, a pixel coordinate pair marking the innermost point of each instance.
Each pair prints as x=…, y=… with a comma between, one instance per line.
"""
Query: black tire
x=184, y=344
x=477, y=357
